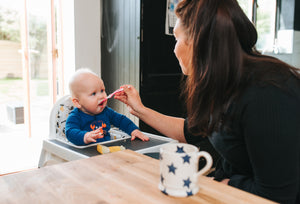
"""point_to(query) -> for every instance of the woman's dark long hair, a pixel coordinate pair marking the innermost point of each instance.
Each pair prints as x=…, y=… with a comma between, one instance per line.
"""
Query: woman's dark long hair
x=224, y=59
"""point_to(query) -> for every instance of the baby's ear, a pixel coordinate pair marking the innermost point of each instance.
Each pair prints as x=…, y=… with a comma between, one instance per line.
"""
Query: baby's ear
x=76, y=103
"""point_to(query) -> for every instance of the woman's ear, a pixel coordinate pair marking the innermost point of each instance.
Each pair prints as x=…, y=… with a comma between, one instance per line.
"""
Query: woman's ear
x=76, y=102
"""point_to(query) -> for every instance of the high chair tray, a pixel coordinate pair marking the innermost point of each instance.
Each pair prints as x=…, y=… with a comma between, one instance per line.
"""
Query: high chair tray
x=135, y=145
x=57, y=151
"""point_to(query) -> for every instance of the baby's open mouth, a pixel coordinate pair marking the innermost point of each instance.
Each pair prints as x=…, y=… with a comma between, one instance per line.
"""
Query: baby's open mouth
x=102, y=102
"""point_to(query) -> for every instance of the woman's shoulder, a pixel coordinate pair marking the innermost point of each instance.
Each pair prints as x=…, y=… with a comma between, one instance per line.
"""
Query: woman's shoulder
x=288, y=89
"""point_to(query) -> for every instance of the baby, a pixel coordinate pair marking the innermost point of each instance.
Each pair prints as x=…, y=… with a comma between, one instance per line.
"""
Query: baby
x=91, y=119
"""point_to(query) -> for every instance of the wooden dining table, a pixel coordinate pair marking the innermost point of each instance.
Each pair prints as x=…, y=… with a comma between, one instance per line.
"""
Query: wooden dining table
x=120, y=177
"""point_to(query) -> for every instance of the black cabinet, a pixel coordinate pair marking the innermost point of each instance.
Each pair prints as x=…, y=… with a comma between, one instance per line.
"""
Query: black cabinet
x=160, y=73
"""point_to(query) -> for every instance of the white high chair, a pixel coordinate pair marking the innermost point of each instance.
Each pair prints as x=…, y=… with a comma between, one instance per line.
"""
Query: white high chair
x=58, y=117
x=57, y=148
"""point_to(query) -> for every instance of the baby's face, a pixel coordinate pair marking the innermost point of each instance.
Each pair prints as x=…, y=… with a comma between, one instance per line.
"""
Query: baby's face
x=92, y=92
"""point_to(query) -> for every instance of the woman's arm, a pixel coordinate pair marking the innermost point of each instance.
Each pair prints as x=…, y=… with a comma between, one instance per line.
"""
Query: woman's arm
x=167, y=125
x=170, y=126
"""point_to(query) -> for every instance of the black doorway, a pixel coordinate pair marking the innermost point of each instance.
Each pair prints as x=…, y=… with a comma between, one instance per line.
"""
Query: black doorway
x=160, y=73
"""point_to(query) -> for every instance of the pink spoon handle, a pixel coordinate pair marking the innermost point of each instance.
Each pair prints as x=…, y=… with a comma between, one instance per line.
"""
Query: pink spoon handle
x=112, y=94
x=116, y=91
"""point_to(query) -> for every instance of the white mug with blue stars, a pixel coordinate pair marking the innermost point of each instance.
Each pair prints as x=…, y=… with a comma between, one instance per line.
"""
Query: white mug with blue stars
x=179, y=169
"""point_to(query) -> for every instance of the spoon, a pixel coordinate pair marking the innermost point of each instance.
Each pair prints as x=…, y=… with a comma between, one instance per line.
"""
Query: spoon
x=111, y=95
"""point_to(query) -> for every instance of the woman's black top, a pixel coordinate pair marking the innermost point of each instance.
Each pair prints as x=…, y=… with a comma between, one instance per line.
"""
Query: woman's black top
x=260, y=148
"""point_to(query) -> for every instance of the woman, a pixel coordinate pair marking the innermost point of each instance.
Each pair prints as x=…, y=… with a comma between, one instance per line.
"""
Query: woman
x=245, y=103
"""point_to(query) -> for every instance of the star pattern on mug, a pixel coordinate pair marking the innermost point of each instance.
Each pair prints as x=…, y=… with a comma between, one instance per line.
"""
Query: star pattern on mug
x=180, y=150
x=162, y=178
x=186, y=158
x=187, y=182
x=172, y=168
x=165, y=191
x=189, y=193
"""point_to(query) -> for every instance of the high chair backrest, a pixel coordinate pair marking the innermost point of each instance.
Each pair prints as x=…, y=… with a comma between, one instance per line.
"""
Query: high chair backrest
x=58, y=118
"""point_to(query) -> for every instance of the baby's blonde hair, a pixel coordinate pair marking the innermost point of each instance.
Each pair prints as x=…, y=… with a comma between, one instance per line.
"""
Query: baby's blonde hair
x=75, y=76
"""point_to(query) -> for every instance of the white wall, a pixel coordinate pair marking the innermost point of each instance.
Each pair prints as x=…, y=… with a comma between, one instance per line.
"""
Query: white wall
x=81, y=36
x=87, y=34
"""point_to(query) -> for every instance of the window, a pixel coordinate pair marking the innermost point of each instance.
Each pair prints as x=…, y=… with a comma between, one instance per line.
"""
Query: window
x=31, y=60
x=274, y=23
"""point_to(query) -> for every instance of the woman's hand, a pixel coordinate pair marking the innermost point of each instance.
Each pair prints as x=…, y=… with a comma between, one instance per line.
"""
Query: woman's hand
x=167, y=125
x=131, y=98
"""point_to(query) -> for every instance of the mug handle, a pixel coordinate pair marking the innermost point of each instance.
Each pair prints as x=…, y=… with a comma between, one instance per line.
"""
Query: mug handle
x=208, y=165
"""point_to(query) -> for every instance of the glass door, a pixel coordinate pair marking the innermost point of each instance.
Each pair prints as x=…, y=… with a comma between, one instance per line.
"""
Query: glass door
x=37, y=71
x=12, y=90
x=30, y=73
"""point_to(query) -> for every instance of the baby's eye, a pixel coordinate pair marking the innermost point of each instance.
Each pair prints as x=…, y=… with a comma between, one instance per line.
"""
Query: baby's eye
x=102, y=90
x=94, y=93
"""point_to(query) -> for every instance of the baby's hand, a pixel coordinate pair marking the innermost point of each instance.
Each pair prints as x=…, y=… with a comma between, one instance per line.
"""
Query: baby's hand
x=93, y=136
x=138, y=134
